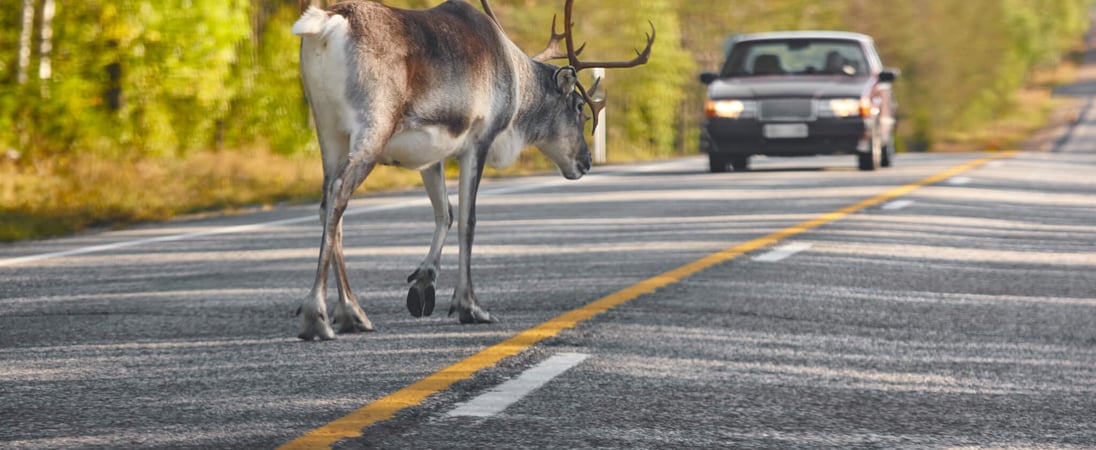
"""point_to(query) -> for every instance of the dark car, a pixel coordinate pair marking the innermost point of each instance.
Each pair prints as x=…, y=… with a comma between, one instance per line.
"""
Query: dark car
x=799, y=93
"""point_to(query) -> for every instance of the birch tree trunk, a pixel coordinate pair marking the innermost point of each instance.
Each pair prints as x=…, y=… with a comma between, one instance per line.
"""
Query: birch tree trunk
x=45, y=46
x=24, y=40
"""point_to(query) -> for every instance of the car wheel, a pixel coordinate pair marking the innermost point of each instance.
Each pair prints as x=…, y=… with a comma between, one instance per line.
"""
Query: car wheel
x=871, y=159
x=717, y=163
x=740, y=163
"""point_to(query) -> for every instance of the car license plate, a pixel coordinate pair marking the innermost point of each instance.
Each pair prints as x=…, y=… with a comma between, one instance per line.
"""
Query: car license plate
x=785, y=130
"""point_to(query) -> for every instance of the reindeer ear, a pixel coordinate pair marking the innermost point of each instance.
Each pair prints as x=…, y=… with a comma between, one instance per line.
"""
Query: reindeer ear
x=566, y=79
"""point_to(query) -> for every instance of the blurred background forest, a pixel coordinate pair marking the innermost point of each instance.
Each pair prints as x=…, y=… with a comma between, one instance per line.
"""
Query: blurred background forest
x=114, y=111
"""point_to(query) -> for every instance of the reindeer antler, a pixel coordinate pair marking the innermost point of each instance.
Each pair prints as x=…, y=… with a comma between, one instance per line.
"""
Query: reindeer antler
x=552, y=51
x=490, y=13
x=596, y=104
x=568, y=36
x=572, y=55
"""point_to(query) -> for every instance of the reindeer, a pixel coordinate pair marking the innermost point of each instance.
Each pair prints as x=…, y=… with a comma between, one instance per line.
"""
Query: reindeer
x=413, y=88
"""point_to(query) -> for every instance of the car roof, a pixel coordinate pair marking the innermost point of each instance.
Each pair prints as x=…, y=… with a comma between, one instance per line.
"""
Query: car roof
x=816, y=34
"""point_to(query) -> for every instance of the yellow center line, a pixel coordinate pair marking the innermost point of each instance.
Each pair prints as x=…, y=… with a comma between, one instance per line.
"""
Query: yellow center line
x=385, y=408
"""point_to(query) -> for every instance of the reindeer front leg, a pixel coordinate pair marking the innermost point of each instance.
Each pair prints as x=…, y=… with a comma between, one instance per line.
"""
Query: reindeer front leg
x=421, y=295
x=464, y=298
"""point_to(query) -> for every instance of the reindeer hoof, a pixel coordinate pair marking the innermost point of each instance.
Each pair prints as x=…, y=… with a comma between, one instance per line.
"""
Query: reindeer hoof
x=420, y=299
x=353, y=321
x=315, y=328
x=354, y=326
x=476, y=315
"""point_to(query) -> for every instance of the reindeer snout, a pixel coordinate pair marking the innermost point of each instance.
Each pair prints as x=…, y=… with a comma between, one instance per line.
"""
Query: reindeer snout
x=579, y=168
x=584, y=163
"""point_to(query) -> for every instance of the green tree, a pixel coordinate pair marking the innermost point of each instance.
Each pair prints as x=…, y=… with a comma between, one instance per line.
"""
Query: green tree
x=162, y=83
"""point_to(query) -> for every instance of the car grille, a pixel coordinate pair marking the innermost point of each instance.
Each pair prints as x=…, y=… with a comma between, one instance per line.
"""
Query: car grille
x=787, y=109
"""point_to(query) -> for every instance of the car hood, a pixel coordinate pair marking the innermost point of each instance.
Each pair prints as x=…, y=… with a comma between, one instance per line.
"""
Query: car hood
x=789, y=86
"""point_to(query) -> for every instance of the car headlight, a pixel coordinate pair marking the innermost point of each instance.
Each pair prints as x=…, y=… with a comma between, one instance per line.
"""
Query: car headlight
x=729, y=109
x=845, y=107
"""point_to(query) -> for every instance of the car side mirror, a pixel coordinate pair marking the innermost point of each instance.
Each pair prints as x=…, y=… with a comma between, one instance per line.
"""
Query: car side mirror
x=888, y=75
x=708, y=77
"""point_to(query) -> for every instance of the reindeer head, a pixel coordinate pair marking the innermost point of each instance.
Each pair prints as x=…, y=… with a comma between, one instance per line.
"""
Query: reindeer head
x=566, y=145
x=555, y=123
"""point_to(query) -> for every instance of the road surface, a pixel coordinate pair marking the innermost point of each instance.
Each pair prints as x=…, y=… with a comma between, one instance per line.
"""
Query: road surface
x=775, y=308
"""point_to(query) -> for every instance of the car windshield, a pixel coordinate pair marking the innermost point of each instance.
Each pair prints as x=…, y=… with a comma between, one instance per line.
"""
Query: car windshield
x=796, y=57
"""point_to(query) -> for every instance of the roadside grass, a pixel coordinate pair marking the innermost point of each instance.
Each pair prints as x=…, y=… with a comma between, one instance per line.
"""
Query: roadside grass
x=47, y=198
x=1034, y=107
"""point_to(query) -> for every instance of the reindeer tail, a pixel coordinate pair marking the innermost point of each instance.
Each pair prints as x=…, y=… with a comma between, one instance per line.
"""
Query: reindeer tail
x=311, y=23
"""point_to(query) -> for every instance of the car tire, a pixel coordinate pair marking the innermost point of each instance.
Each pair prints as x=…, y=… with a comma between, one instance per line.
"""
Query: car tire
x=870, y=160
x=717, y=163
x=740, y=163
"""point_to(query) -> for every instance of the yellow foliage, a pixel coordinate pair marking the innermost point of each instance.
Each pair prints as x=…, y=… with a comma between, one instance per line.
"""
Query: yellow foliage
x=63, y=195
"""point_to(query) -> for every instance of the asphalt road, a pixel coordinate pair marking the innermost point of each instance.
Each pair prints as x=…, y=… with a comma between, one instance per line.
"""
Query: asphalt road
x=962, y=313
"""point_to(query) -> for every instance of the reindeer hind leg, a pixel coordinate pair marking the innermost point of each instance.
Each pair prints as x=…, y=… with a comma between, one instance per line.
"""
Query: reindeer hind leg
x=340, y=182
x=313, y=311
x=349, y=316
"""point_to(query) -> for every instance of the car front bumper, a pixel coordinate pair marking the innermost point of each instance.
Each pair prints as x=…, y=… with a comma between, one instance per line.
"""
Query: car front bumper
x=824, y=136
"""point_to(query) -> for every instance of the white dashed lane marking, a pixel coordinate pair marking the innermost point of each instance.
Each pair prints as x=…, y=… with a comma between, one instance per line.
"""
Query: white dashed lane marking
x=897, y=204
x=494, y=401
x=782, y=252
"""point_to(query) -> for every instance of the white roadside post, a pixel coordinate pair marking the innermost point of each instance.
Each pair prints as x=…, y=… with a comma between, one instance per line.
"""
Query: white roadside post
x=599, y=133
